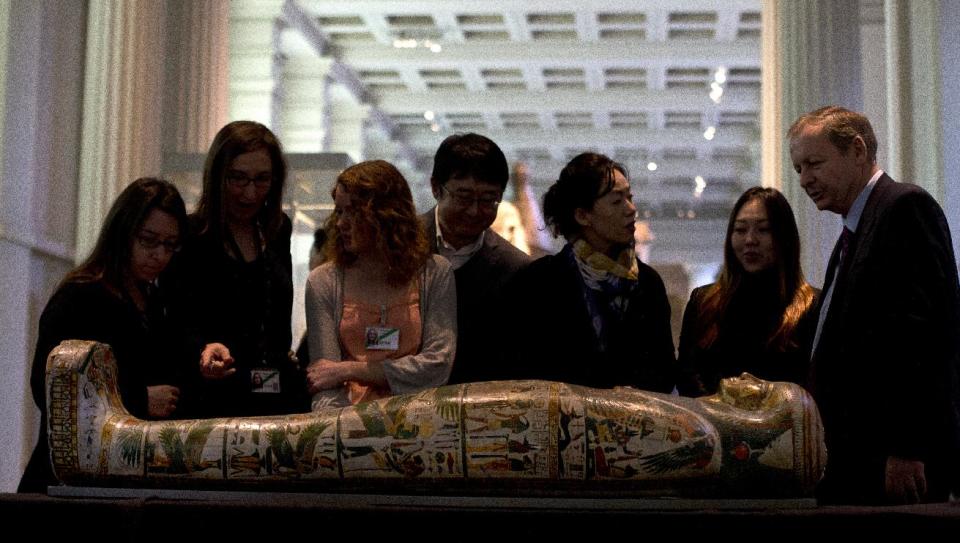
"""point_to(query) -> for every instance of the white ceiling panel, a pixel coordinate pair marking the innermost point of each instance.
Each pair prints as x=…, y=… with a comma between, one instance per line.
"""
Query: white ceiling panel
x=675, y=82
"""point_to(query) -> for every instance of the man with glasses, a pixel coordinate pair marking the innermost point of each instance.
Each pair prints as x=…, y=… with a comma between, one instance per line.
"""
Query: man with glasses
x=469, y=175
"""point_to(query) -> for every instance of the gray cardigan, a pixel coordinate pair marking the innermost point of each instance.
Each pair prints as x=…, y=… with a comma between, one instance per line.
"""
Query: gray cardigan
x=438, y=316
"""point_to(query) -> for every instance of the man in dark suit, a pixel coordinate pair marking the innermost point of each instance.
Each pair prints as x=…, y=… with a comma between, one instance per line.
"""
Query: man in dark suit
x=885, y=363
x=469, y=175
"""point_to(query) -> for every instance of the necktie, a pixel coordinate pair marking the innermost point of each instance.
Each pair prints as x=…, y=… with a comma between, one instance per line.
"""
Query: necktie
x=845, y=242
x=828, y=288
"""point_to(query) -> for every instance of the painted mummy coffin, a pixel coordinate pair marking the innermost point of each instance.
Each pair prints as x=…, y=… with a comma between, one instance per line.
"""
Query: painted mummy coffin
x=752, y=439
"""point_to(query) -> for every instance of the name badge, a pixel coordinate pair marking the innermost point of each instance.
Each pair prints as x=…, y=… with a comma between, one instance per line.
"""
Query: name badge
x=381, y=338
x=265, y=380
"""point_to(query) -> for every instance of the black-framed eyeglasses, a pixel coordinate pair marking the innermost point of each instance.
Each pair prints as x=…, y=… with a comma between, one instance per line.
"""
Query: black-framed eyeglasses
x=150, y=243
x=466, y=199
x=240, y=180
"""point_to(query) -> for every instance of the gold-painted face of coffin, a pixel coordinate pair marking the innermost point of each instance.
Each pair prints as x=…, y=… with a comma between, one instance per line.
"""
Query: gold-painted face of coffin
x=745, y=392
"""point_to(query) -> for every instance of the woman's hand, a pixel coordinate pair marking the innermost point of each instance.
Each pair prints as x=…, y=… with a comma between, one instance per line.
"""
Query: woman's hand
x=215, y=362
x=162, y=401
x=323, y=374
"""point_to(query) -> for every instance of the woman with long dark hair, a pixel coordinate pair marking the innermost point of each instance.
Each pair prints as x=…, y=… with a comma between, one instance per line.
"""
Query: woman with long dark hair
x=113, y=297
x=593, y=314
x=382, y=311
x=234, y=277
x=759, y=315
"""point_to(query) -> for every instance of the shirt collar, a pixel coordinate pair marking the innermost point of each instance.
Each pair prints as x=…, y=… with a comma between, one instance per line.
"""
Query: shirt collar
x=852, y=218
x=445, y=249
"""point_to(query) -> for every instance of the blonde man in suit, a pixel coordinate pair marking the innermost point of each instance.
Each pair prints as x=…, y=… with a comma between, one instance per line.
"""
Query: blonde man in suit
x=884, y=368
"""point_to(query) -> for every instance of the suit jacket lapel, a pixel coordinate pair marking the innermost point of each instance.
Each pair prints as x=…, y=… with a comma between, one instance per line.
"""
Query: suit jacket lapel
x=843, y=280
x=863, y=237
x=490, y=250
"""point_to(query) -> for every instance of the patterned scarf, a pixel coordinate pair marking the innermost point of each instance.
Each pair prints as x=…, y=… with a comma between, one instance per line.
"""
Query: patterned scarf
x=608, y=284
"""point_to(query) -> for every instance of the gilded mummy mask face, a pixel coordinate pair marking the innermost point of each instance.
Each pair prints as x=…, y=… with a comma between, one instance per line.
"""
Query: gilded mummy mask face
x=745, y=392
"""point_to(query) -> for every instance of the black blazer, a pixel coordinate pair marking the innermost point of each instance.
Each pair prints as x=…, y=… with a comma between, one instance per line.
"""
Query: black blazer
x=885, y=370
x=554, y=339
x=480, y=304
x=245, y=306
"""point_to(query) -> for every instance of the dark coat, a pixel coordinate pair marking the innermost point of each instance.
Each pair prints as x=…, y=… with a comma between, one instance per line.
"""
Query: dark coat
x=742, y=339
x=554, y=339
x=885, y=370
x=144, y=346
x=481, y=314
x=246, y=306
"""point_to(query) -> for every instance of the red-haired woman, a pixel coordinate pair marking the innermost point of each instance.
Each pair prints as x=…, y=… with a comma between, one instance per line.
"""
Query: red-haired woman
x=382, y=311
x=759, y=316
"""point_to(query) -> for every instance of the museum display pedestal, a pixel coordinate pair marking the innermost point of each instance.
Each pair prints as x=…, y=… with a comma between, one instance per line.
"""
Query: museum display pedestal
x=155, y=515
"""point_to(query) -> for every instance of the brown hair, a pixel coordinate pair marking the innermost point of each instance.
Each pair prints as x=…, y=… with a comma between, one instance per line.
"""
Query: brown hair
x=385, y=213
x=796, y=295
x=841, y=126
x=233, y=140
x=110, y=257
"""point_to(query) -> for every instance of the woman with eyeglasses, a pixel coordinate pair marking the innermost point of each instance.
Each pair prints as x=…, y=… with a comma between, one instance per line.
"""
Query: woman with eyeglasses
x=113, y=297
x=593, y=314
x=382, y=311
x=234, y=280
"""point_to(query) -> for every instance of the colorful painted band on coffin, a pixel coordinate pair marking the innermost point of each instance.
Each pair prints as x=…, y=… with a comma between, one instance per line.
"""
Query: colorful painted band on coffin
x=753, y=438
